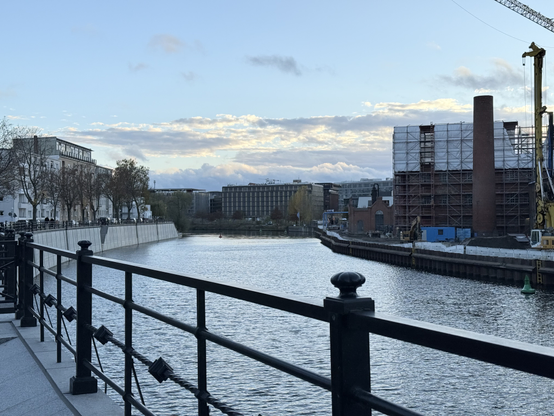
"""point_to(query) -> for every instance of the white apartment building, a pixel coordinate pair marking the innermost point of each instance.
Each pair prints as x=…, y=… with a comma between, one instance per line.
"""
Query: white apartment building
x=60, y=153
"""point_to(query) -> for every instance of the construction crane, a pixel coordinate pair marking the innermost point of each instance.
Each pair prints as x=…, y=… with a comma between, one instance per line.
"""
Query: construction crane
x=542, y=236
x=529, y=13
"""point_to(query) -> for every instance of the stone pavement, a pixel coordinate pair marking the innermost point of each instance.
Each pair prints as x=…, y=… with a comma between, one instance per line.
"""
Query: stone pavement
x=33, y=384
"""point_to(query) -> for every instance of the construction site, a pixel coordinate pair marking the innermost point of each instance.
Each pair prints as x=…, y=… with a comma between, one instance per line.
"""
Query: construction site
x=434, y=175
x=489, y=177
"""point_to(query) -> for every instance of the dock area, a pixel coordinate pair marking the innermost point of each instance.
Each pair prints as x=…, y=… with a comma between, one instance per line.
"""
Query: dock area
x=34, y=384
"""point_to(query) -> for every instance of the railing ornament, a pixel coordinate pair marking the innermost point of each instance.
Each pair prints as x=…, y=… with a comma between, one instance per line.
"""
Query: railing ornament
x=85, y=244
x=347, y=283
x=160, y=370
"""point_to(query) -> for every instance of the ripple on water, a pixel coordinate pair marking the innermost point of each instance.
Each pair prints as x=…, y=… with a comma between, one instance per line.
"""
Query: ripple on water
x=426, y=381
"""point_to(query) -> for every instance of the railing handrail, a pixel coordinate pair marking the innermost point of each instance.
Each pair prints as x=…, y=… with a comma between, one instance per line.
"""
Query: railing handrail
x=517, y=355
x=351, y=320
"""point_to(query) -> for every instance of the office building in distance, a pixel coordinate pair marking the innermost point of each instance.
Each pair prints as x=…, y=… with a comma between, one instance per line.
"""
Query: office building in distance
x=259, y=200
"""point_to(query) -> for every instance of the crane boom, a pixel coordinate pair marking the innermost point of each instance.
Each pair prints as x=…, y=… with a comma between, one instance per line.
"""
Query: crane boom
x=529, y=13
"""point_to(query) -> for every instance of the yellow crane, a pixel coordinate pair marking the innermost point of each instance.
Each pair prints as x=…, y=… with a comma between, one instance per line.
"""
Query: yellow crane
x=542, y=236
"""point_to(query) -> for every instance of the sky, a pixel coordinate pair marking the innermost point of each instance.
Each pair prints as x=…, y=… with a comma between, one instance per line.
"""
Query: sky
x=207, y=94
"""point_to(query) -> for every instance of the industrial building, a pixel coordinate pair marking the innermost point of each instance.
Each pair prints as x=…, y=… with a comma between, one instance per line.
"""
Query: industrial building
x=330, y=196
x=350, y=191
x=464, y=175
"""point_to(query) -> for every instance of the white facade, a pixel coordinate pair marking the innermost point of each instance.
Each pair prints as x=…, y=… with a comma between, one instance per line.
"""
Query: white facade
x=14, y=208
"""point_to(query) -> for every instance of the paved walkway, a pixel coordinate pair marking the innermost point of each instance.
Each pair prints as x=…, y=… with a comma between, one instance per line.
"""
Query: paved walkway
x=33, y=384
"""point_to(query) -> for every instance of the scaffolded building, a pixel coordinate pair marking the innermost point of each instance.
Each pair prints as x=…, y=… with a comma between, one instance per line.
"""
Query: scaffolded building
x=433, y=175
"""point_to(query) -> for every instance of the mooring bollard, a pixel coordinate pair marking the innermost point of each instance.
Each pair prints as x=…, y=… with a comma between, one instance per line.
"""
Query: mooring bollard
x=350, y=366
x=83, y=382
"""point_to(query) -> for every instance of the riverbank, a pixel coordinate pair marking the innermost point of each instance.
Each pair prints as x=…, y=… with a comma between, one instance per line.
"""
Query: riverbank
x=504, y=265
x=103, y=237
x=233, y=225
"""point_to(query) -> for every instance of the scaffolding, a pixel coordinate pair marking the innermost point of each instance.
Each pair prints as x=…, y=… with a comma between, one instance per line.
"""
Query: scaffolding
x=433, y=175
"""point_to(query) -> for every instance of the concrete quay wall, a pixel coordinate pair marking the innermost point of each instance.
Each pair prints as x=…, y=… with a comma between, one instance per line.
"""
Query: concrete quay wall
x=116, y=237
x=507, y=268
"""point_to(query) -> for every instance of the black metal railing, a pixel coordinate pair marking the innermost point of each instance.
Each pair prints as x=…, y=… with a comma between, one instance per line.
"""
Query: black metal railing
x=8, y=279
x=351, y=321
x=30, y=226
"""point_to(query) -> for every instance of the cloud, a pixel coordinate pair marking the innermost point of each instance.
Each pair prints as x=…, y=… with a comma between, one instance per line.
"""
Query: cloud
x=166, y=43
x=503, y=76
x=285, y=64
x=7, y=93
x=257, y=140
x=433, y=45
x=138, y=67
x=86, y=29
x=208, y=153
x=189, y=76
x=212, y=178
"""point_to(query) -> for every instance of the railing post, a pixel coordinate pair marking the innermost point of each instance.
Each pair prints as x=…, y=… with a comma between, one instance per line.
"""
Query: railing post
x=10, y=276
x=83, y=382
x=201, y=353
x=350, y=367
x=26, y=281
x=20, y=276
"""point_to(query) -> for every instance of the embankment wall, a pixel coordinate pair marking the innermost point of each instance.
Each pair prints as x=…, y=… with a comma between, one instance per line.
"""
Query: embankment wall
x=116, y=237
x=503, y=268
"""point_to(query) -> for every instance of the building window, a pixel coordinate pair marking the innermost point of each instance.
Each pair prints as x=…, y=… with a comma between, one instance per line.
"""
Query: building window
x=379, y=219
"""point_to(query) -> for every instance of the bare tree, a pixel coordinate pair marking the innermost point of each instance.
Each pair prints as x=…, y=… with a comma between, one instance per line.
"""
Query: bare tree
x=178, y=204
x=8, y=179
x=53, y=189
x=96, y=188
x=31, y=159
x=84, y=177
x=133, y=179
x=114, y=190
x=139, y=188
x=68, y=188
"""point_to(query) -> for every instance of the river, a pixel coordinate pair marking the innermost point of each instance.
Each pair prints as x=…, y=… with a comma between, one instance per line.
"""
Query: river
x=424, y=380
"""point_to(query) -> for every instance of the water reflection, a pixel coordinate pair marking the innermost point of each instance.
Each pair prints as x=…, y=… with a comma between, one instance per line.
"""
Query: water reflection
x=429, y=382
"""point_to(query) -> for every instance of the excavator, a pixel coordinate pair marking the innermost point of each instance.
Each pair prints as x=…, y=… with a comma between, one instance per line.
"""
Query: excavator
x=415, y=231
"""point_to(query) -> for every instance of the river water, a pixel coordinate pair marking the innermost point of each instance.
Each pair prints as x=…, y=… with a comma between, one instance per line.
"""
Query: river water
x=424, y=380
